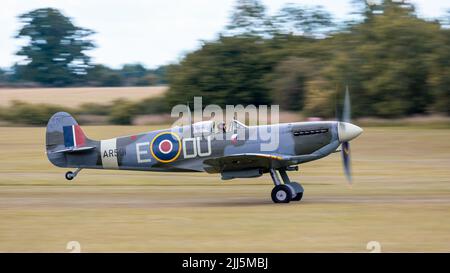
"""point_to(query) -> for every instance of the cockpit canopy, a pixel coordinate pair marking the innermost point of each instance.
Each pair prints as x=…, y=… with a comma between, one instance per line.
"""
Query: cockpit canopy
x=236, y=125
x=212, y=127
x=203, y=127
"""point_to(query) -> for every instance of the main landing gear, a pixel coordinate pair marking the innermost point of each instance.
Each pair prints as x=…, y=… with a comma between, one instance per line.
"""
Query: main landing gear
x=71, y=175
x=284, y=193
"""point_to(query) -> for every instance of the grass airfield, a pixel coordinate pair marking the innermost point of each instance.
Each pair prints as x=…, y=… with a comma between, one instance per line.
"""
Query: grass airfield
x=400, y=198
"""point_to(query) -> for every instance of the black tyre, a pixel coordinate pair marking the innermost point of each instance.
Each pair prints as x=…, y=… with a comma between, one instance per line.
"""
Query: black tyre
x=281, y=194
x=298, y=189
x=69, y=175
x=298, y=197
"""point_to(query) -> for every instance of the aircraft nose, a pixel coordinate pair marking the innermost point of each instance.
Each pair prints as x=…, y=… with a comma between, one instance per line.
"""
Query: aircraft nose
x=348, y=131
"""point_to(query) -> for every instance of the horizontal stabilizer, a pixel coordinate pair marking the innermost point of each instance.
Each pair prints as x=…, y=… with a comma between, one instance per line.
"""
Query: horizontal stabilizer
x=73, y=149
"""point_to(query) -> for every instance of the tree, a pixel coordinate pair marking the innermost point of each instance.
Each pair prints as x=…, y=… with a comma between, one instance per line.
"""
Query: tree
x=249, y=19
x=394, y=63
x=100, y=75
x=439, y=79
x=299, y=20
x=2, y=76
x=320, y=99
x=288, y=82
x=445, y=20
x=385, y=62
x=134, y=74
x=55, y=54
x=228, y=71
x=122, y=112
x=159, y=75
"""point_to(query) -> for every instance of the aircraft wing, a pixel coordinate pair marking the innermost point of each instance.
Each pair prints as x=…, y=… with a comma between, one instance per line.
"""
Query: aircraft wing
x=248, y=161
x=245, y=161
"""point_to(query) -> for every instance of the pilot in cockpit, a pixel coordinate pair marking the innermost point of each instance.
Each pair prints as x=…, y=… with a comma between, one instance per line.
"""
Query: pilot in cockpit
x=222, y=127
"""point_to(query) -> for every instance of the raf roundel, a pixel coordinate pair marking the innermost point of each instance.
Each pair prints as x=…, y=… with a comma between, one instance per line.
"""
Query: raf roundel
x=166, y=147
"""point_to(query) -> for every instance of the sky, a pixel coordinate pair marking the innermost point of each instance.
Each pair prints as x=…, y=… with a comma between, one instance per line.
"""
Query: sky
x=154, y=32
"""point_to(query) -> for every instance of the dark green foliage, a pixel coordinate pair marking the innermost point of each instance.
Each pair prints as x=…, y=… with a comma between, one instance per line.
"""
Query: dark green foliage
x=288, y=82
x=55, y=54
x=439, y=79
x=91, y=108
x=158, y=75
x=100, y=75
x=122, y=112
x=249, y=19
x=119, y=111
x=134, y=74
x=393, y=62
x=385, y=62
x=2, y=75
x=33, y=114
x=300, y=20
x=153, y=105
x=228, y=71
x=128, y=75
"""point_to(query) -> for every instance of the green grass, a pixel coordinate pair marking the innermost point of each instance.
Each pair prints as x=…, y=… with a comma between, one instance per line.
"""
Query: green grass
x=400, y=197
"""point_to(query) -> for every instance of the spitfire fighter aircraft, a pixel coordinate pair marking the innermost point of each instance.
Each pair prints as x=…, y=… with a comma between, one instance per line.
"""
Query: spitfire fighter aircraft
x=231, y=155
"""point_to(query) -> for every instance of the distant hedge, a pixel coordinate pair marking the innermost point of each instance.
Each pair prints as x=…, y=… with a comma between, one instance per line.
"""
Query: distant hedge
x=118, y=112
x=26, y=113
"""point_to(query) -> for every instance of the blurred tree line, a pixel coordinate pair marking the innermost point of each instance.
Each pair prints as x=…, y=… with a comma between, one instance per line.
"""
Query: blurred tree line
x=393, y=62
x=55, y=55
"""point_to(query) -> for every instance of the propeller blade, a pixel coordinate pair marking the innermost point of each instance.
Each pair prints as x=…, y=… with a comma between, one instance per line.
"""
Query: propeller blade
x=346, y=161
x=346, y=117
x=346, y=112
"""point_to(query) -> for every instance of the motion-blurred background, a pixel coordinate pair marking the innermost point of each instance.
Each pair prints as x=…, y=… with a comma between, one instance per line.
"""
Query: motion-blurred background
x=122, y=63
x=393, y=55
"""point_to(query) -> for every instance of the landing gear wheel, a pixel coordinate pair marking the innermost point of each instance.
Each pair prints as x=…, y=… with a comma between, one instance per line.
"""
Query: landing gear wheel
x=298, y=197
x=281, y=194
x=69, y=175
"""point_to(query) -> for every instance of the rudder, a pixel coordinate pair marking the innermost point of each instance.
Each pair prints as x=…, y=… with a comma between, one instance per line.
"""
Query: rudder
x=63, y=134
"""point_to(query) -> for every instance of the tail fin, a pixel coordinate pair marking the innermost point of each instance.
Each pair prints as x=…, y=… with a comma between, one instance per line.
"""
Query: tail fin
x=64, y=135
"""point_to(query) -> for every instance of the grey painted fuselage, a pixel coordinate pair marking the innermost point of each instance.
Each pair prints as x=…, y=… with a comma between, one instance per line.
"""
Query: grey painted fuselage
x=168, y=150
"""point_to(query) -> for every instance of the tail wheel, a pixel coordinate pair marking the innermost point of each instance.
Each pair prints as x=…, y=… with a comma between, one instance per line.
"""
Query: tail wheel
x=281, y=194
x=69, y=175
